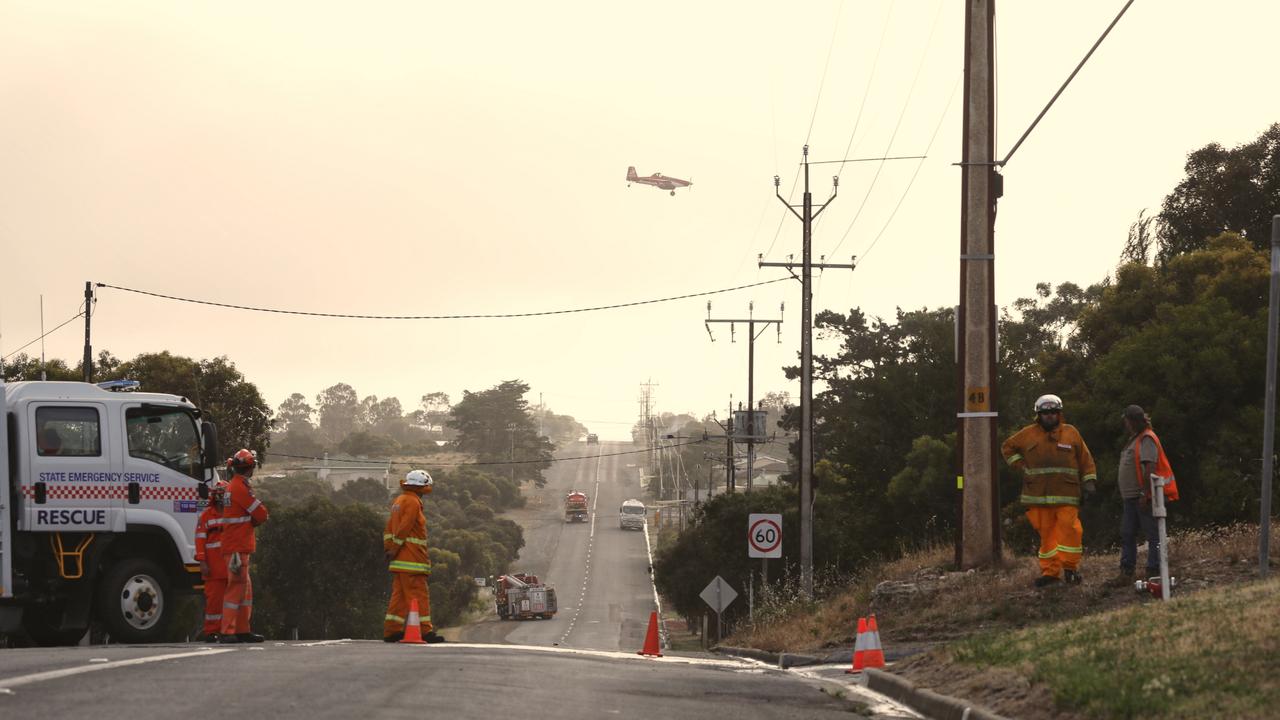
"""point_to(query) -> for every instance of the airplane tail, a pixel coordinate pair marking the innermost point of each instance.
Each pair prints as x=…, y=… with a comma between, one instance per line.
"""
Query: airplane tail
x=631, y=173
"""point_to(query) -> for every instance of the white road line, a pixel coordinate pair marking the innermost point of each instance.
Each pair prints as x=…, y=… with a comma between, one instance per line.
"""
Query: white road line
x=878, y=704
x=320, y=642
x=662, y=625
x=735, y=663
x=13, y=682
x=591, y=538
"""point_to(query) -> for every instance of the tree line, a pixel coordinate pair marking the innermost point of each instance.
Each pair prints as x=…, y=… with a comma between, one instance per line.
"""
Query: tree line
x=320, y=568
x=1178, y=326
x=493, y=424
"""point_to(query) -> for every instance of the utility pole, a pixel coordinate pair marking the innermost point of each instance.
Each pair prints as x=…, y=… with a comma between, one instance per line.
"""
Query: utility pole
x=511, y=434
x=980, y=187
x=751, y=323
x=807, y=216
x=1269, y=402
x=88, y=346
x=43, y=374
x=730, y=461
x=646, y=405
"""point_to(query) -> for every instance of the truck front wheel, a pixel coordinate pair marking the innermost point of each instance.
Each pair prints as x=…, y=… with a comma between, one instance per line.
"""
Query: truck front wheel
x=134, y=601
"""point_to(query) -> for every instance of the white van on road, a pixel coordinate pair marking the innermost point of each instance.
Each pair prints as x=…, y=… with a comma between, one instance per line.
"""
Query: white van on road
x=631, y=515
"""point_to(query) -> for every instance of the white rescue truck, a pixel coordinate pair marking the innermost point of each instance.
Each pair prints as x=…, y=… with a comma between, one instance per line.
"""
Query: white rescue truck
x=99, y=495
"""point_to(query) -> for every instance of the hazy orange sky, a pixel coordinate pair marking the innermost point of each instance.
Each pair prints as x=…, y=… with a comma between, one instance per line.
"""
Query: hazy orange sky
x=430, y=158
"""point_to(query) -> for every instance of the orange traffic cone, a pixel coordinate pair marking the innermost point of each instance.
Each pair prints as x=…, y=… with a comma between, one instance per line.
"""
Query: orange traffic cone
x=859, y=649
x=874, y=657
x=651, y=638
x=413, y=626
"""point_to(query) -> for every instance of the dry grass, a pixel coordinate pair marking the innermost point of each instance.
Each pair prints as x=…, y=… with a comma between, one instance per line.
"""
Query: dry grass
x=953, y=605
x=996, y=627
x=1208, y=654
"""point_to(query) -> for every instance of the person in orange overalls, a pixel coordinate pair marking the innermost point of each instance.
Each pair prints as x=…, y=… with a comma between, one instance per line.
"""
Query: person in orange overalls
x=243, y=513
x=213, y=568
x=404, y=544
x=1057, y=470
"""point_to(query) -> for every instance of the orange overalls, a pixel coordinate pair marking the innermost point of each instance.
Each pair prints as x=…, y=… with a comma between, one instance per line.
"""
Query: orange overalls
x=1055, y=464
x=405, y=542
x=243, y=513
x=209, y=554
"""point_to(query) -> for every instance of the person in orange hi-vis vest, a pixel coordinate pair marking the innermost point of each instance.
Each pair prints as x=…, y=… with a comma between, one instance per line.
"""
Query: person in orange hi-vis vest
x=1057, y=471
x=404, y=544
x=213, y=567
x=1141, y=457
x=243, y=513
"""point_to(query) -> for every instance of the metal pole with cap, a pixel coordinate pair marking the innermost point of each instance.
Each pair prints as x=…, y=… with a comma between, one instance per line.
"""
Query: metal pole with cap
x=1269, y=423
x=1162, y=537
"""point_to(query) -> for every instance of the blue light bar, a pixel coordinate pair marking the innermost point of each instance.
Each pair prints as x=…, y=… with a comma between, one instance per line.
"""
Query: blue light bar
x=120, y=385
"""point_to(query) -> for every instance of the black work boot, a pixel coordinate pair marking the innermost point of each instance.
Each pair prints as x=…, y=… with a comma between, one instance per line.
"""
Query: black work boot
x=393, y=638
x=248, y=637
x=1045, y=580
x=1071, y=577
x=229, y=639
x=432, y=638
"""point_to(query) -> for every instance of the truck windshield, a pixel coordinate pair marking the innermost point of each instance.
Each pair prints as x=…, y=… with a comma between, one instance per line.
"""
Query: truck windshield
x=633, y=510
x=165, y=435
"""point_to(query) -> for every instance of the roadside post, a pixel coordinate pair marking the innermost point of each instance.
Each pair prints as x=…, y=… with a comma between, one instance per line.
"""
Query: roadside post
x=764, y=541
x=1269, y=422
x=1158, y=512
x=719, y=595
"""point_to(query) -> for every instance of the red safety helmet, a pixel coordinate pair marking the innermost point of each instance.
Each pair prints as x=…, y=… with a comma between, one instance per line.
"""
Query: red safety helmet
x=217, y=489
x=243, y=460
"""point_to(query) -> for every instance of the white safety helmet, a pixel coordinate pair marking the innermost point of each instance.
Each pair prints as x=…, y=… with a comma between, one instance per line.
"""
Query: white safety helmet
x=1048, y=402
x=418, y=478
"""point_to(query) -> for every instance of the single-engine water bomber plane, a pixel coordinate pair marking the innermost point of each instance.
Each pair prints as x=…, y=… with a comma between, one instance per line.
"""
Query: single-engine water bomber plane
x=657, y=180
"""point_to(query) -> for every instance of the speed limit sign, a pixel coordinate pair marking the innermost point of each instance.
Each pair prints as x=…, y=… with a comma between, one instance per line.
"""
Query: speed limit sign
x=764, y=535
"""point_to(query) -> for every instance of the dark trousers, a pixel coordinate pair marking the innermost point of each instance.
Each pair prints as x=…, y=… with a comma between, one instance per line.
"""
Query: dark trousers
x=1133, y=517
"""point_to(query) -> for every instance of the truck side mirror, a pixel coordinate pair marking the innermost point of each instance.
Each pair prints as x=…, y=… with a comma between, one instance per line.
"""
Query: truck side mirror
x=209, y=434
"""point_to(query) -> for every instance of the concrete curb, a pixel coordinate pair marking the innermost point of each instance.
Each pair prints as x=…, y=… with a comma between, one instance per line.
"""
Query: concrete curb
x=781, y=661
x=926, y=702
x=841, y=656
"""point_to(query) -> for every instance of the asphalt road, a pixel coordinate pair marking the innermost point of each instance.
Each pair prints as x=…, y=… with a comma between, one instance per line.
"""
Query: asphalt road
x=580, y=664
x=600, y=572
x=369, y=679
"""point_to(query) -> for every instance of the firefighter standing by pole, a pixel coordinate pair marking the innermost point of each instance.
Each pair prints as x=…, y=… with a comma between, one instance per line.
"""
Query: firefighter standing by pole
x=213, y=567
x=243, y=513
x=404, y=544
x=1057, y=470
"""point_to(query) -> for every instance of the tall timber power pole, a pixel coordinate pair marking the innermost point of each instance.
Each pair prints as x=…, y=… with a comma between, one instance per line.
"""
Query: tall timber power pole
x=980, y=187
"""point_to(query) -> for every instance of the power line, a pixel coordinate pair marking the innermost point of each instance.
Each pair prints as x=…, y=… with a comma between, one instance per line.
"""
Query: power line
x=33, y=342
x=783, y=216
x=428, y=461
x=919, y=165
x=816, y=102
x=867, y=91
x=901, y=115
x=835, y=28
x=472, y=316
